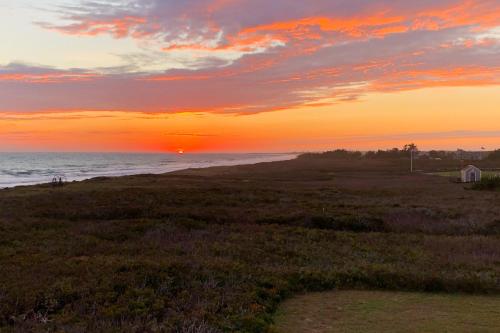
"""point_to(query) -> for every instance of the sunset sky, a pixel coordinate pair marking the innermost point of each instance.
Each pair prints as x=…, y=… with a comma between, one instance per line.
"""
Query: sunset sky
x=248, y=75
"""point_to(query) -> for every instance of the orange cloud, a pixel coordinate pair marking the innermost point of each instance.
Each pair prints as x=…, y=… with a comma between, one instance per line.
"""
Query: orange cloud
x=483, y=13
x=439, y=77
x=301, y=29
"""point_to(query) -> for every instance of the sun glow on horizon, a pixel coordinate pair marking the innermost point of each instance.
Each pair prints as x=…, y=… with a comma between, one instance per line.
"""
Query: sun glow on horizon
x=432, y=118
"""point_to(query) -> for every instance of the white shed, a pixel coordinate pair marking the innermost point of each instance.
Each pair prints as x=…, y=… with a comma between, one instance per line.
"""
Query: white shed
x=471, y=174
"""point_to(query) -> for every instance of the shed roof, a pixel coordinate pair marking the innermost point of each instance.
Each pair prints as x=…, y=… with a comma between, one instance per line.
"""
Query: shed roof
x=469, y=167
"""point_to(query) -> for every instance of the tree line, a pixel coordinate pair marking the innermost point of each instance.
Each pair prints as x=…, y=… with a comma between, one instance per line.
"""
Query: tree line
x=397, y=153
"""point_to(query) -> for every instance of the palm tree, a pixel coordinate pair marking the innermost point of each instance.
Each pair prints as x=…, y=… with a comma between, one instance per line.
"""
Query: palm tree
x=411, y=147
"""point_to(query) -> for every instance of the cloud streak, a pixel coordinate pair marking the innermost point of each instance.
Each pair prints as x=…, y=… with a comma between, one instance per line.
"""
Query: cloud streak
x=27, y=74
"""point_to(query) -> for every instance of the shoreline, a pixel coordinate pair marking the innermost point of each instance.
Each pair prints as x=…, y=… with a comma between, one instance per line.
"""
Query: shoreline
x=260, y=158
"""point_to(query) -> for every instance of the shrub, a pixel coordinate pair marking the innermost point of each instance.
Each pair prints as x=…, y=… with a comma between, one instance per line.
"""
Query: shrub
x=347, y=223
x=488, y=184
x=492, y=228
x=334, y=154
x=494, y=155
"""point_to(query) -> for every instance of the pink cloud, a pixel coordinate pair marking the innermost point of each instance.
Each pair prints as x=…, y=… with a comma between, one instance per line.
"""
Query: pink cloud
x=46, y=78
x=290, y=54
x=18, y=73
x=118, y=27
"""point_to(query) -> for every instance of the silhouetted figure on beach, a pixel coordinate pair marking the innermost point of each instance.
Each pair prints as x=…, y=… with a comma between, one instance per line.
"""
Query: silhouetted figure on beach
x=57, y=181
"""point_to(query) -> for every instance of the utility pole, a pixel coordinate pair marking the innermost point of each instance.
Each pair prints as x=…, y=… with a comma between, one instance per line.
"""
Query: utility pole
x=412, y=156
x=411, y=160
x=412, y=148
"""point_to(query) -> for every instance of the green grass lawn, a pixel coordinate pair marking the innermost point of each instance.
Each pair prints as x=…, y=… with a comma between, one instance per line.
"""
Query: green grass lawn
x=456, y=174
x=377, y=311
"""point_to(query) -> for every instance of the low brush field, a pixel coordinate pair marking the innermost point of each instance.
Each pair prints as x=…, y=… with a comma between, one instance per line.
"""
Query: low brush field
x=218, y=250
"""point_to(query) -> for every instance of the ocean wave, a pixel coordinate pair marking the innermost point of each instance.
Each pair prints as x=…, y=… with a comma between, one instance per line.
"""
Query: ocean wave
x=29, y=169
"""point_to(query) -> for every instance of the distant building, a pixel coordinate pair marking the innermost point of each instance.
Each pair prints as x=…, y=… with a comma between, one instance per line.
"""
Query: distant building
x=469, y=155
x=471, y=174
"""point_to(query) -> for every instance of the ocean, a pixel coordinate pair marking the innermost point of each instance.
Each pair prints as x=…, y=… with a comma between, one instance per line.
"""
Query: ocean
x=37, y=168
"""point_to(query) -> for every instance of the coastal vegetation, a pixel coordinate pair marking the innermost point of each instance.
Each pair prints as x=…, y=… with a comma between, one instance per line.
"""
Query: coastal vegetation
x=488, y=183
x=219, y=249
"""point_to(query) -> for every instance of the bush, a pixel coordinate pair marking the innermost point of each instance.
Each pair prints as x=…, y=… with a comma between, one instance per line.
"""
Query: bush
x=347, y=223
x=494, y=156
x=488, y=184
x=334, y=154
x=492, y=228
